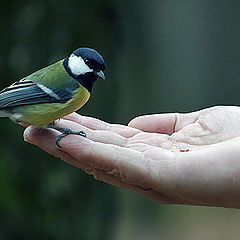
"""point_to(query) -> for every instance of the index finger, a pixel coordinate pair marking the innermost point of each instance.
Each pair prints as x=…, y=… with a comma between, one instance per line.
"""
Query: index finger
x=96, y=124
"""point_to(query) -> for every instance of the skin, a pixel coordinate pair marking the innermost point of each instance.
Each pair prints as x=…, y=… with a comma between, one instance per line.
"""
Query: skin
x=174, y=158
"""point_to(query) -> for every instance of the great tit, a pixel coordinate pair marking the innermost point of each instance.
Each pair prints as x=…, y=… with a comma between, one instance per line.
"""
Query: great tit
x=54, y=91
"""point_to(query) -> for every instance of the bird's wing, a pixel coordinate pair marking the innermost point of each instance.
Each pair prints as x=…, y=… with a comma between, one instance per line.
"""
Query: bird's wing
x=26, y=92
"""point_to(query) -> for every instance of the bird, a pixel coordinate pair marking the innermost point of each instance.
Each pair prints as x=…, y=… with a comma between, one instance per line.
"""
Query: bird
x=54, y=91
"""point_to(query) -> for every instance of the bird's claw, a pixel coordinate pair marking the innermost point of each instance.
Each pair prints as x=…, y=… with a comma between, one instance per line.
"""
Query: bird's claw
x=66, y=131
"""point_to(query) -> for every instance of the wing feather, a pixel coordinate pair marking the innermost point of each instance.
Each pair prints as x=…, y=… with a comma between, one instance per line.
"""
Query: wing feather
x=27, y=92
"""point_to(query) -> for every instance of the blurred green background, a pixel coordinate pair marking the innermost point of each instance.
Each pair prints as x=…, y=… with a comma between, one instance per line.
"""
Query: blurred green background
x=162, y=56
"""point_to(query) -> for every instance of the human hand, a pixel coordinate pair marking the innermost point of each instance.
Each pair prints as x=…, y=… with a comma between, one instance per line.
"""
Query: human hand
x=172, y=158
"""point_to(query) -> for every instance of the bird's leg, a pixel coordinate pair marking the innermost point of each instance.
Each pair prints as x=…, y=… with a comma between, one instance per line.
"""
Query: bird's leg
x=65, y=132
x=53, y=122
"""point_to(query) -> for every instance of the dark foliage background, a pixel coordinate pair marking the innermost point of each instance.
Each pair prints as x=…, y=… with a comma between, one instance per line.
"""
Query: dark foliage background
x=162, y=56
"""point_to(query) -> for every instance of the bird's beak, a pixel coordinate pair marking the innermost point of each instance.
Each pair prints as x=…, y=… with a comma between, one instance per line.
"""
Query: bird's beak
x=100, y=74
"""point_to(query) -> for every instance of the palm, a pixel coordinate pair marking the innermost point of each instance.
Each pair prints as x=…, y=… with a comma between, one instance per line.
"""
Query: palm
x=172, y=158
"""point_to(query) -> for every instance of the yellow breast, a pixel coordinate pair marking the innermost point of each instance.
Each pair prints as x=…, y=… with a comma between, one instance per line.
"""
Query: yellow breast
x=45, y=113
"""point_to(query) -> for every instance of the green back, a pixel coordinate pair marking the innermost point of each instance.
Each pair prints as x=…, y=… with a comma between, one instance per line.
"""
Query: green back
x=54, y=76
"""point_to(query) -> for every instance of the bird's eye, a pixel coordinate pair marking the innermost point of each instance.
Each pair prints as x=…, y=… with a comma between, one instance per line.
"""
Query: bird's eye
x=92, y=64
x=89, y=63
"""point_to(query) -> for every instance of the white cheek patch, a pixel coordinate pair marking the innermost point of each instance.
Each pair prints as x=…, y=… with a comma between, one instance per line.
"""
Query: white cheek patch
x=77, y=65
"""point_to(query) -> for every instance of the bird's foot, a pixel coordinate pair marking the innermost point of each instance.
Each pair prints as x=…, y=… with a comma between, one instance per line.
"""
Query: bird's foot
x=53, y=122
x=65, y=132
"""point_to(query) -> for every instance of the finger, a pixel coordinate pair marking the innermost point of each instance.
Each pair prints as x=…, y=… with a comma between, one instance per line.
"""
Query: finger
x=88, y=153
x=42, y=138
x=96, y=124
x=159, y=123
x=94, y=135
x=103, y=165
x=74, y=117
x=46, y=140
x=127, y=164
x=146, y=191
x=149, y=192
x=151, y=139
x=167, y=123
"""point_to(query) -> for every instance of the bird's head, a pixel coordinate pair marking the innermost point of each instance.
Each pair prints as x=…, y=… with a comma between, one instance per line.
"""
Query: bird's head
x=85, y=65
